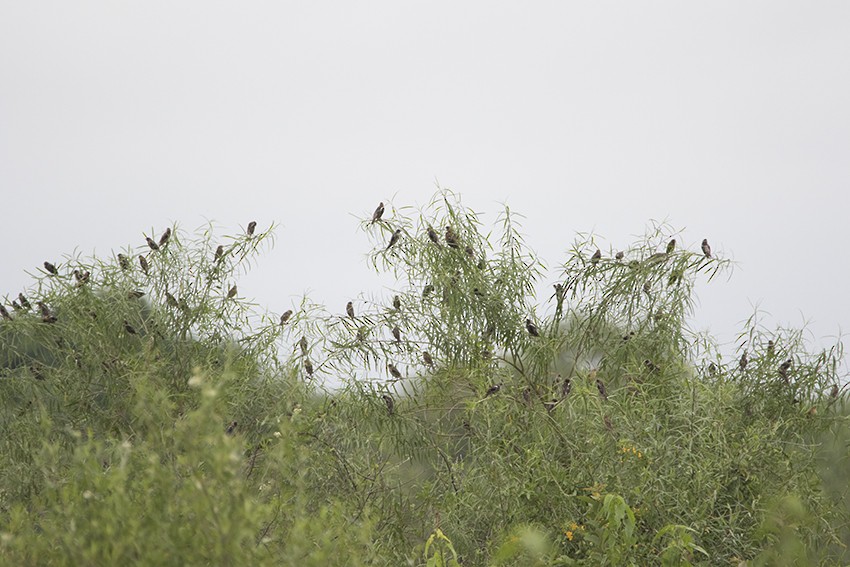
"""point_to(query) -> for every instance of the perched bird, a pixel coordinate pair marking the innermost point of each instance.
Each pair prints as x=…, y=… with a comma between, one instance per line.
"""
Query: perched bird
x=550, y=405
x=231, y=428
x=81, y=277
x=706, y=249
x=451, y=237
x=50, y=268
x=427, y=290
x=482, y=263
x=285, y=317
x=390, y=403
x=469, y=251
x=308, y=367
x=596, y=256
x=601, y=387
x=394, y=238
x=432, y=234
x=379, y=212
x=492, y=390
x=712, y=369
x=566, y=388
x=771, y=348
x=671, y=246
x=397, y=303
x=426, y=358
x=742, y=362
x=153, y=245
x=651, y=366
x=219, y=252
x=619, y=255
x=232, y=292
x=45, y=311
x=532, y=328
x=608, y=425
x=124, y=262
x=349, y=308
x=24, y=302
x=397, y=334
x=165, y=236
x=144, y=264
x=833, y=393
x=135, y=294
x=4, y=313
x=251, y=226
x=647, y=287
x=129, y=328
x=394, y=371
x=303, y=344
x=784, y=368
x=16, y=306
x=559, y=292
x=170, y=300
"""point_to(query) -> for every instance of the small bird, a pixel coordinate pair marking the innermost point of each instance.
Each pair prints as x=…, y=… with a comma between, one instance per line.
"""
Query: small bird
x=129, y=328
x=308, y=367
x=566, y=388
x=771, y=348
x=390, y=403
x=619, y=255
x=170, y=300
x=285, y=317
x=16, y=306
x=451, y=237
x=432, y=234
x=379, y=212
x=219, y=252
x=251, y=227
x=712, y=369
x=144, y=264
x=81, y=277
x=602, y=391
x=482, y=263
x=784, y=368
x=153, y=245
x=135, y=294
x=303, y=344
x=232, y=292
x=492, y=390
x=24, y=302
x=394, y=371
x=550, y=405
x=165, y=236
x=742, y=362
x=532, y=328
x=671, y=246
x=124, y=262
x=50, y=268
x=349, y=308
x=833, y=393
x=706, y=249
x=397, y=334
x=559, y=293
x=394, y=238
x=397, y=303
x=231, y=428
x=596, y=256
x=427, y=290
x=469, y=251
x=45, y=311
x=426, y=358
x=651, y=366
x=4, y=313
x=647, y=288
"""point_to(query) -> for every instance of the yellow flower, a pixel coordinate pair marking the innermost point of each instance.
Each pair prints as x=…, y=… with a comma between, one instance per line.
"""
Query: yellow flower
x=570, y=535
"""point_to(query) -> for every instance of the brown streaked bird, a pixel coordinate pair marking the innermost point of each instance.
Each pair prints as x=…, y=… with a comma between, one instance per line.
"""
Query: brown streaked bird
x=397, y=334
x=426, y=358
x=45, y=311
x=170, y=300
x=379, y=212
x=494, y=389
x=303, y=344
x=784, y=368
x=706, y=249
x=251, y=227
x=165, y=236
x=742, y=362
x=469, y=252
x=50, y=268
x=532, y=328
x=349, y=309
x=432, y=234
x=285, y=317
x=451, y=237
x=49, y=319
x=566, y=388
x=129, y=328
x=393, y=371
x=397, y=303
x=602, y=391
x=4, y=313
x=219, y=252
x=833, y=393
x=671, y=246
x=153, y=245
x=394, y=238
x=390, y=403
x=81, y=277
x=24, y=302
x=596, y=256
x=308, y=367
x=16, y=306
x=135, y=294
x=144, y=264
x=124, y=262
x=232, y=292
x=619, y=255
x=231, y=428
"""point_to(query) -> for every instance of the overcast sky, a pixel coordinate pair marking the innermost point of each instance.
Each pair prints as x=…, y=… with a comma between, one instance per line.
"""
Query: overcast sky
x=728, y=119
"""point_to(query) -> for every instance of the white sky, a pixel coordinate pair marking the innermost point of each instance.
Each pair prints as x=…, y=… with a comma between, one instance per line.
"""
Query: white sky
x=731, y=119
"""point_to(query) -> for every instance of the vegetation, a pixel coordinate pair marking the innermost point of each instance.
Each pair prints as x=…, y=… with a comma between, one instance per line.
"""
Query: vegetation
x=152, y=415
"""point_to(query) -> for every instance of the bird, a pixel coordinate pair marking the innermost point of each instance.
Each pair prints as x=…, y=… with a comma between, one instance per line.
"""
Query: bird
x=601, y=387
x=308, y=366
x=394, y=371
x=451, y=237
x=426, y=358
x=619, y=255
x=566, y=388
x=232, y=292
x=129, y=328
x=45, y=311
x=390, y=403
x=231, y=428
x=469, y=251
x=784, y=368
x=394, y=238
x=742, y=362
x=492, y=390
x=135, y=294
x=219, y=252
x=349, y=308
x=303, y=344
x=50, y=268
x=285, y=317
x=712, y=369
x=397, y=303
x=596, y=256
x=124, y=262
x=550, y=405
x=379, y=212
x=144, y=264
x=24, y=303
x=651, y=366
x=397, y=334
x=81, y=277
x=706, y=249
x=647, y=287
x=771, y=348
x=165, y=236
x=153, y=245
x=532, y=328
x=170, y=300
x=427, y=290
x=671, y=246
x=833, y=393
x=251, y=226
x=4, y=313
x=432, y=234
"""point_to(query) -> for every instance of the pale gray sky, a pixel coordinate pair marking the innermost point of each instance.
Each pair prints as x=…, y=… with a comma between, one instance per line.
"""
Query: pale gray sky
x=730, y=119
